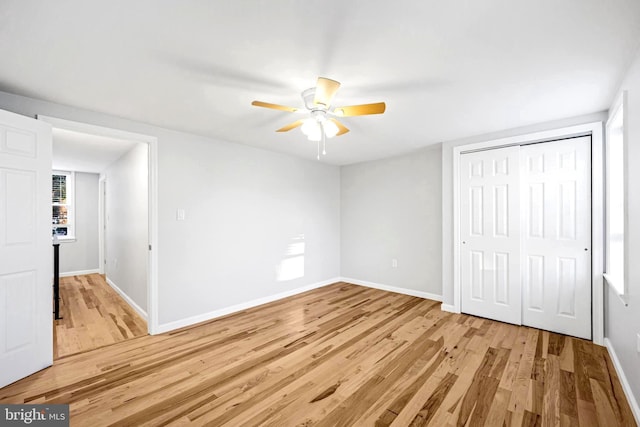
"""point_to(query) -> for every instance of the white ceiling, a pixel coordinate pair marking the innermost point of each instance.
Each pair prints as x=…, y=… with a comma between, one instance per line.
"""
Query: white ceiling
x=82, y=152
x=446, y=69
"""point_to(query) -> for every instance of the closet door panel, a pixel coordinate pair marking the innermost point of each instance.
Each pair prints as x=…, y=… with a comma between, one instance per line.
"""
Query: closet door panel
x=556, y=243
x=490, y=229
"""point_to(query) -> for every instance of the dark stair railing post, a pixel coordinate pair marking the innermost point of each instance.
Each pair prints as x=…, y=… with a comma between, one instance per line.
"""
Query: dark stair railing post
x=56, y=278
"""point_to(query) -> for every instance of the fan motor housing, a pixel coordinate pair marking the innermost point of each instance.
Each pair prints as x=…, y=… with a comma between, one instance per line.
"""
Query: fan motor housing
x=308, y=95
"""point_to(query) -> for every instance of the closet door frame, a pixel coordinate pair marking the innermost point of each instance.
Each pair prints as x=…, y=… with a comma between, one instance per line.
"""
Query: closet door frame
x=595, y=130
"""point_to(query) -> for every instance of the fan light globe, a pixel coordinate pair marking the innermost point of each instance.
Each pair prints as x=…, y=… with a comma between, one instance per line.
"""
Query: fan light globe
x=330, y=128
x=311, y=128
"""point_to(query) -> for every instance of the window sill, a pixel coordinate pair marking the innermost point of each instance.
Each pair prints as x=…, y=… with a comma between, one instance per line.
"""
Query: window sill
x=65, y=239
x=609, y=280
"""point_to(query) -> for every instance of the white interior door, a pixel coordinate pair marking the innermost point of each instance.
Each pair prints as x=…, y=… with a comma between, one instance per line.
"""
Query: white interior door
x=490, y=234
x=556, y=238
x=26, y=254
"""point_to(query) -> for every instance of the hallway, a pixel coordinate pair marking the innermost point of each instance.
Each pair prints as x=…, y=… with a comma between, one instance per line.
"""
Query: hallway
x=93, y=316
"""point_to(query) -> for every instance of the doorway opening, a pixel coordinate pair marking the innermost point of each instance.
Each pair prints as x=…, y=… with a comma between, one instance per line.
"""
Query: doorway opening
x=108, y=264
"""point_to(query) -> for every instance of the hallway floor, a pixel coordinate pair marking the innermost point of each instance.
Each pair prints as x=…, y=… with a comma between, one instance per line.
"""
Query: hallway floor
x=93, y=315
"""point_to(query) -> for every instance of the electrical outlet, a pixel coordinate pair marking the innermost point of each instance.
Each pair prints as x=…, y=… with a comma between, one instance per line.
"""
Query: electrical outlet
x=180, y=214
x=394, y=263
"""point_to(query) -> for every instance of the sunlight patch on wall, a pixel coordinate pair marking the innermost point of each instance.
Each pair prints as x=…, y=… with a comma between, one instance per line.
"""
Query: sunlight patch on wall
x=292, y=264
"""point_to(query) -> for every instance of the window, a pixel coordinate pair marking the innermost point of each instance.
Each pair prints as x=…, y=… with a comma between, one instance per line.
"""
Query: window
x=62, y=197
x=615, y=198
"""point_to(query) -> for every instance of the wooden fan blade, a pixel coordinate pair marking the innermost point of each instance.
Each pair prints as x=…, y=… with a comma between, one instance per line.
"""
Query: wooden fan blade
x=360, y=110
x=343, y=128
x=325, y=91
x=274, y=106
x=290, y=126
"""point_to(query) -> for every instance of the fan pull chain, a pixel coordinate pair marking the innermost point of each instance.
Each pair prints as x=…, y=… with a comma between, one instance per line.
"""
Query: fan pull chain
x=318, y=156
x=324, y=142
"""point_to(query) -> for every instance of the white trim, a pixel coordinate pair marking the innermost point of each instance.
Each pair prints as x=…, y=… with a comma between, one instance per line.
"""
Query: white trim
x=82, y=127
x=152, y=289
x=129, y=301
x=412, y=292
x=101, y=223
x=609, y=281
x=170, y=326
x=448, y=308
x=79, y=273
x=597, y=234
x=152, y=141
x=620, y=103
x=457, y=305
x=66, y=239
x=597, y=215
x=633, y=402
x=530, y=138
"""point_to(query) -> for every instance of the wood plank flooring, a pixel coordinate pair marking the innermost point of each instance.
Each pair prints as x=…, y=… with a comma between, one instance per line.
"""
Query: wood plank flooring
x=93, y=315
x=341, y=355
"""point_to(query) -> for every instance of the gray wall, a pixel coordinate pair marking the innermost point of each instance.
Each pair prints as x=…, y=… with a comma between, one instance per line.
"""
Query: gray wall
x=391, y=208
x=127, y=224
x=623, y=323
x=82, y=254
x=244, y=208
x=248, y=211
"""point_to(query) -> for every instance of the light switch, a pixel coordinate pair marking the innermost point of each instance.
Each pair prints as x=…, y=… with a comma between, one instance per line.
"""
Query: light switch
x=180, y=215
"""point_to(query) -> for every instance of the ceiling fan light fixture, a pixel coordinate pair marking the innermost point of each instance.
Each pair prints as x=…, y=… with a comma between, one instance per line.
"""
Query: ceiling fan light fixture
x=312, y=130
x=321, y=123
x=330, y=128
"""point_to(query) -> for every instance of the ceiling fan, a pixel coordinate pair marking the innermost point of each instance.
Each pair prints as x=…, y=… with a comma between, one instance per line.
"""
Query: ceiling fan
x=322, y=122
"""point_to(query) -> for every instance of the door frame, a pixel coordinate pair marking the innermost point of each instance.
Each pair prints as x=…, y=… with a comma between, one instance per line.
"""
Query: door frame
x=152, y=143
x=595, y=130
x=102, y=222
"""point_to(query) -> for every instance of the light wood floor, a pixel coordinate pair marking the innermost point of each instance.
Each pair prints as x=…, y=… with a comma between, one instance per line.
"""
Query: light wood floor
x=341, y=355
x=93, y=315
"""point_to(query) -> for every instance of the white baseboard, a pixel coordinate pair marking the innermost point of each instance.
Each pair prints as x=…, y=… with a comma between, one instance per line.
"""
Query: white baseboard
x=449, y=308
x=633, y=402
x=129, y=301
x=79, y=273
x=397, y=290
x=177, y=324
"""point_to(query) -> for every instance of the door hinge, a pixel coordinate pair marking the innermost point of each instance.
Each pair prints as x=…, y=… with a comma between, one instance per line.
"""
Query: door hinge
x=149, y=247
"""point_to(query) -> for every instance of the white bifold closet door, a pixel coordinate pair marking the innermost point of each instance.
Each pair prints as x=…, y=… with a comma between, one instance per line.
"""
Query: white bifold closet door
x=525, y=227
x=556, y=236
x=490, y=233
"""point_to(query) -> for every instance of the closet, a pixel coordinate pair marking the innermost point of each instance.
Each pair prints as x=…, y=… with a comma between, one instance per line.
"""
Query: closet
x=525, y=235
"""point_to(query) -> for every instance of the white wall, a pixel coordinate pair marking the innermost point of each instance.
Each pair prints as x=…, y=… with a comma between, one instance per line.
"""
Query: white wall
x=447, y=185
x=391, y=209
x=243, y=208
x=127, y=224
x=623, y=323
x=82, y=254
